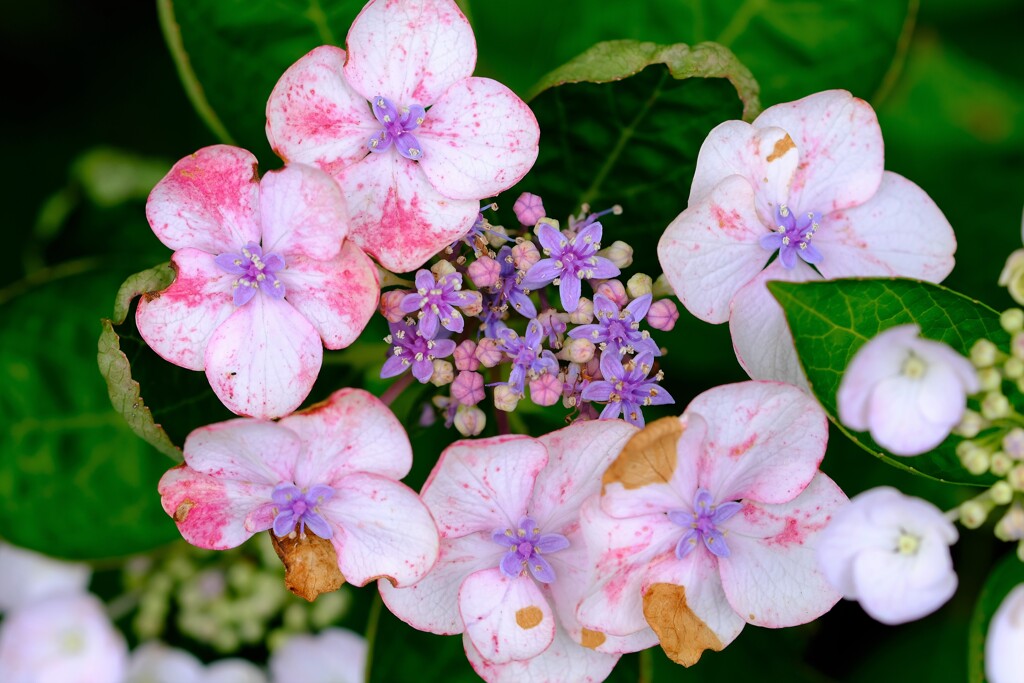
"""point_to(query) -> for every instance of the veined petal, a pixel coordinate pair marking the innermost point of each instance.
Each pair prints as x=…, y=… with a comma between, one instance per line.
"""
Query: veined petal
x=213, y=512
x=478, y=140
x=760, y=335
x=409, y=51
x=315, y=117
x=382, y=530
x=563, y=660
x=248, y=451
x=840, y=145
x=262, y=361
x=397, y=216
x=208, y=200
x=432, y=603
x=899, y=231
x=302, y=212
x=352, y=431
x=506, y=619
x=483, y=484
x=712, y=249
x=764, y=442
x=177, y=322
x=338, y=296
x=772, y=577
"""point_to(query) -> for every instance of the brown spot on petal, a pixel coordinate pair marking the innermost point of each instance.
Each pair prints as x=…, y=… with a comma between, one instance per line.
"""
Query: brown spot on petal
x=683, y=635
x=181, y=513
x=647, y=458
x=781, y=147
x=592, y=639
x=310, y=564
x=528, y=617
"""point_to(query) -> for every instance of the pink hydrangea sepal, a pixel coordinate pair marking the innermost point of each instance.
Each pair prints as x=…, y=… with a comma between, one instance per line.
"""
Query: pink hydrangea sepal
x=505, y=618
x=302, y=213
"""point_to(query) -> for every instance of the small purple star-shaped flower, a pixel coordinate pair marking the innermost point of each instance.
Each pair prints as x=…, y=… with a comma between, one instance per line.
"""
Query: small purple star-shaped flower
x=525, y=546
x=255, y=270
x=626, y=390
x=435, y=300
x=295, y=506
x=397, y=127
x=529, y=357
x=570, y=260
x=619, y=330
x=793, y=237
x=410, y=349
x=703, y=524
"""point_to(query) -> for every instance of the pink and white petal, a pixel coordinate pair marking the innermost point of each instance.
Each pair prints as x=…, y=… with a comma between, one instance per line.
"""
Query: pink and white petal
x=689, y=592
x=766, y=157
x=760, y=334
x=505, y=618
x=765, y=441
x=177, y=322
x=397, y=216
x=619, y=552
x=772, y=577
x=382, y=530
x=712, y=249
x=315, y=117
x=338, y=297
x=208, y=200
x=564, y=660
x=478, y=139
x=483, y=484
x=577, y=457
x=212, y=512
x=302, y=213
x=244, y=450
x=432, y=603
x=840, y=145
x=657, y=470
x=352, y=431
x=263, y=360
x=898, y=232
x=880, y=358
x=409, y=51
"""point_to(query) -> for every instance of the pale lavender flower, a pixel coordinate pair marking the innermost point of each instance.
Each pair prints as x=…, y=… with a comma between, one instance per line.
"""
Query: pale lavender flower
x=410, y=349
x=626, y=390
x=529, y=357
x=435, y=301
x=570, y=260
x=619, y=330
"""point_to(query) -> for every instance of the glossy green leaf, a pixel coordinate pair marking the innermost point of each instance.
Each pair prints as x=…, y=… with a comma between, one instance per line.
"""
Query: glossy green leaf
x=831, y=320
x=1007, y=575
x=75, y=482
x=622, y=124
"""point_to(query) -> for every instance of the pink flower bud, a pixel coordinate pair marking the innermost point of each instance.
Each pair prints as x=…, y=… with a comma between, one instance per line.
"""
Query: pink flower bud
x=484, y=271
x=470, y=420
x=614, y=290
x=474, y=303
x=390, y=304
x=524, y=255
x=468, y=388
x=545, y=390
x=465, y=356
x=663, y=315
x=579, y=350
x=584, y=313
x=488, y=353
x=529, y=209
x=444, y=373
x=505, y=399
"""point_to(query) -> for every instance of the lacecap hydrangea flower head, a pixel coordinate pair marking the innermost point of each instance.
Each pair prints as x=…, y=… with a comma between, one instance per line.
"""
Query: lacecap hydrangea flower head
x=414, y=140
x=803, y=190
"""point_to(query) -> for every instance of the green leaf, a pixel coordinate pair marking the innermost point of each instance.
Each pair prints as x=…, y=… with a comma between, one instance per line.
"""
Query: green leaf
x=1007, y=575
x=622, y=124
x=74, y=481
x=831, y=320
x=230, y=53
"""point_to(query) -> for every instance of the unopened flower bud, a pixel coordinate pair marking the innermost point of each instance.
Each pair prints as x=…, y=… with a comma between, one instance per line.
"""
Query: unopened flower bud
x=1017, y=345
x=662, y=287
x=994, y=406
x=444, y=373
x=469, y=420
x=579, y=350
x=619, y=253
x=584, y=313
x=614, y=290
x=663, y=315
x=1011, y=526
x=638, y=285
x=989, y=379
x=1012, y=320
x=529, y=208
x=1012, y=276
x=488, y=352
x=546, y=389
x=970, y=424
x=1016, y=478
x=1001, y=493
x=505, y=399
x=390, y=304
x=976, y=461
x=496, y=236
x=442, y=268
x=1013, y=443
x=1003, y=652
x=1001, y=464
x=468, y=388
x=984, y=353
x=973, y=514
x=1013, y=368
x=525, y=255
x=474, y=303
x=465, y=355
x=484, y=272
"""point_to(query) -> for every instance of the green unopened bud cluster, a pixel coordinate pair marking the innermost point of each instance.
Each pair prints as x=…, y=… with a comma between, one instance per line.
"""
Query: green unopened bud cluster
x=227, y=600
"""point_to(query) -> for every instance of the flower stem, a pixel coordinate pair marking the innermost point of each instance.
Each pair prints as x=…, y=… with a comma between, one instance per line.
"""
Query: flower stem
x=646, y=667
x=396, y=389
x=372, y=623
